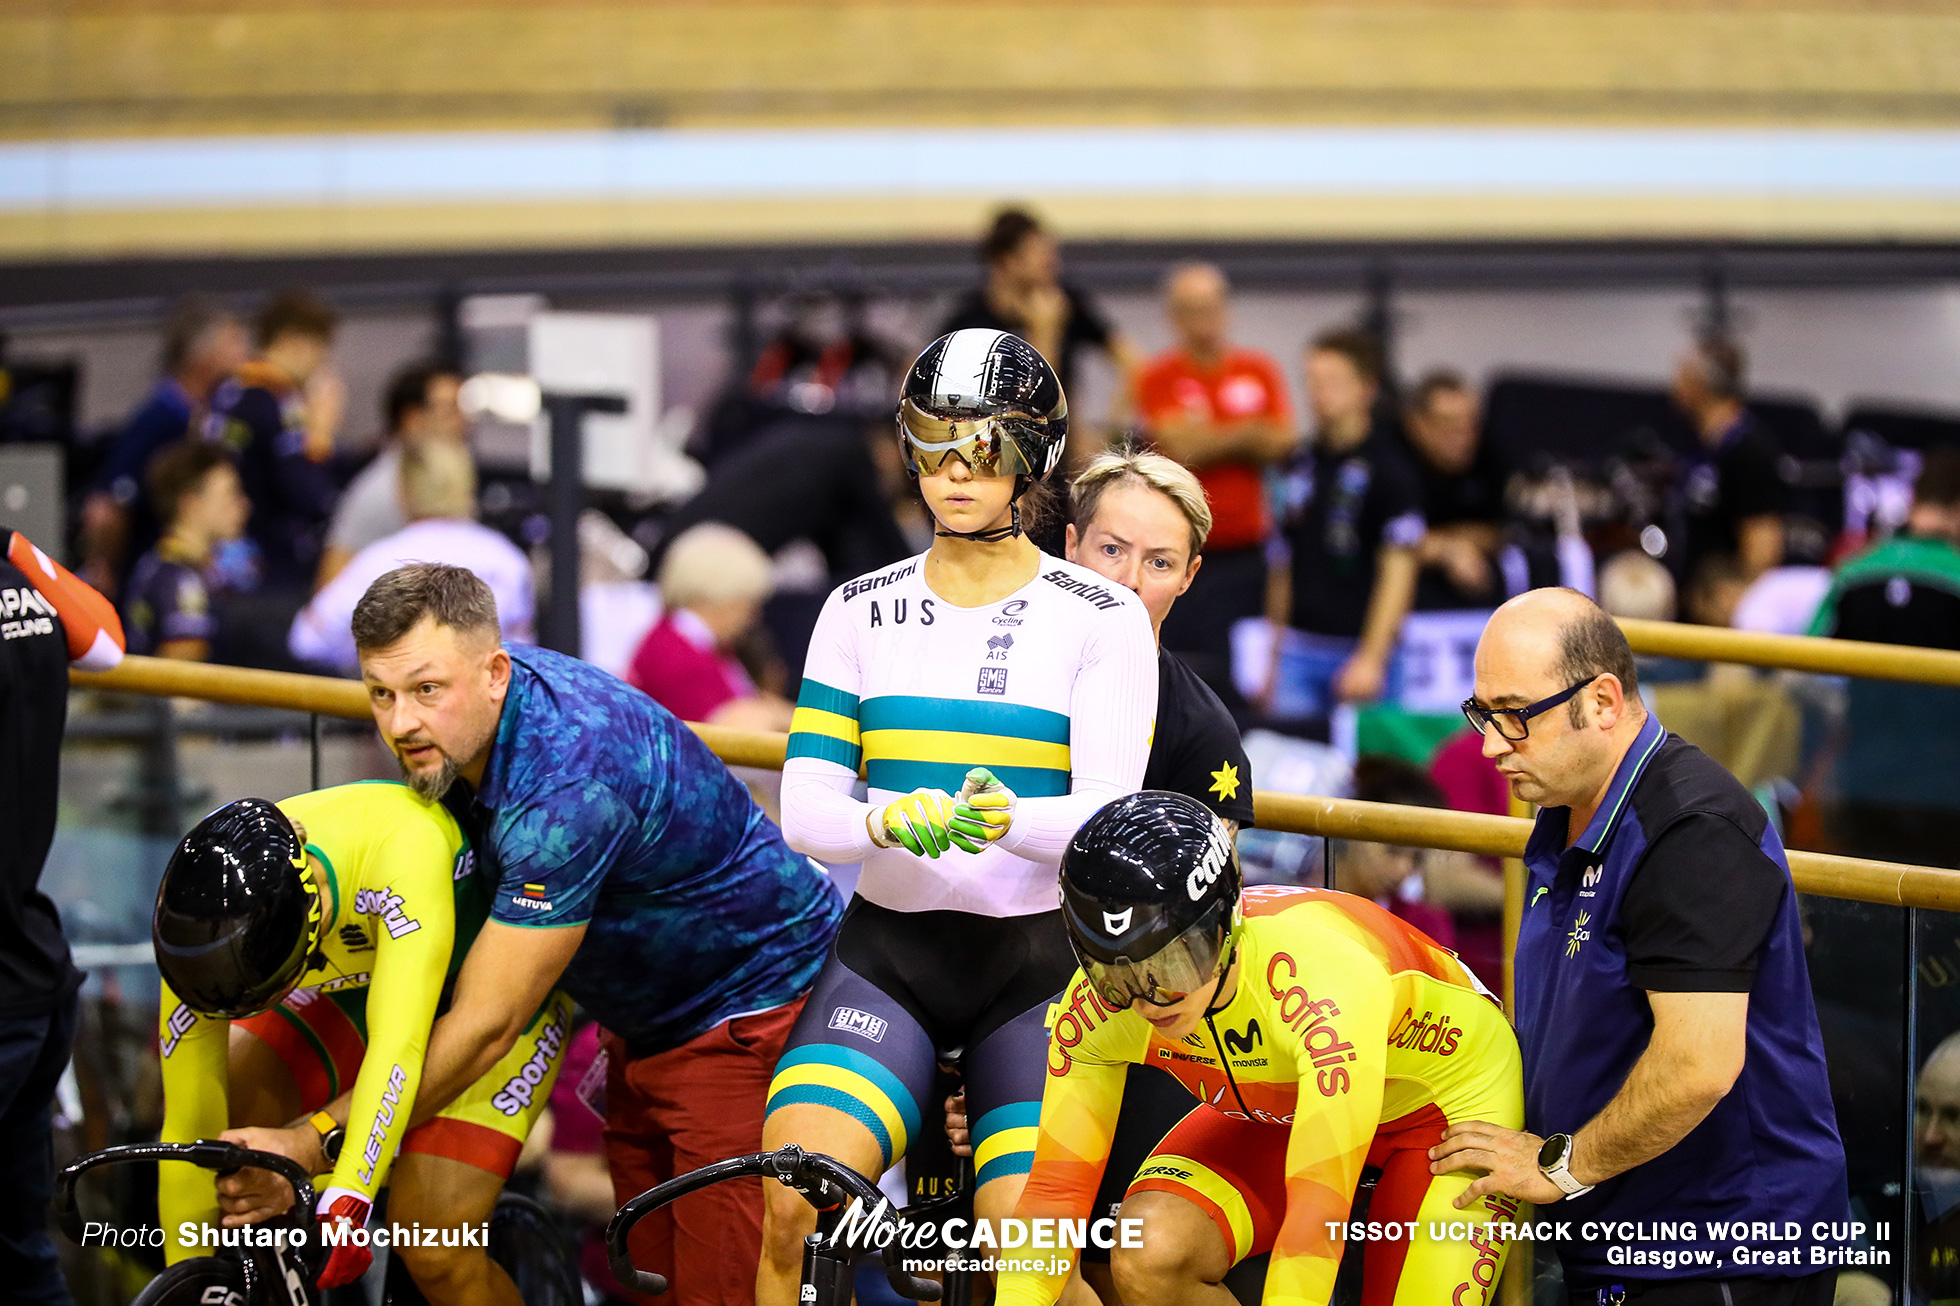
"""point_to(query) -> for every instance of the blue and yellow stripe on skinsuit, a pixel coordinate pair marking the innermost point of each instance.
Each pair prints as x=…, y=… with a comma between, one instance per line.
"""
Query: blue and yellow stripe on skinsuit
x=930, y=743
x=847, y=1080
x=825, y=725
x=1003, y=1141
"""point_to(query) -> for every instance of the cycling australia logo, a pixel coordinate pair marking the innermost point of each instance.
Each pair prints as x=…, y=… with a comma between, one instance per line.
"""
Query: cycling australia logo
x=1011, y=614
x=862, y=1023
x=1576, y=937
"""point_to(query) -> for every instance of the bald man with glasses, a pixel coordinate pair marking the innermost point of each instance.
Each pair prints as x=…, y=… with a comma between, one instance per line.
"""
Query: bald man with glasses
x=1674, y=1075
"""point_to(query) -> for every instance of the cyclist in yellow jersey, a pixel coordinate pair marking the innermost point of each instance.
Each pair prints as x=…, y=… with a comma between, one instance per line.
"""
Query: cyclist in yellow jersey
x=1318, y=1034
x=306, y=948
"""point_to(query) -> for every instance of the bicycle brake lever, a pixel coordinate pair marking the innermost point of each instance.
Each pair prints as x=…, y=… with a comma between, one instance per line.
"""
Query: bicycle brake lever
x=906, y=1285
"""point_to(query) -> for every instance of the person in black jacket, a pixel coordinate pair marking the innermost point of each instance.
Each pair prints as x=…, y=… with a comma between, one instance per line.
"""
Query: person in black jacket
x=48, y=619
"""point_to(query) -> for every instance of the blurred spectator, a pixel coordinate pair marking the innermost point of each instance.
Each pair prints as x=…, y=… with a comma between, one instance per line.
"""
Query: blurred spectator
x=1470, y=888
x=1384, y=872
x=1782, y=600
x=1732, y=495
x=278, y=414
x=202, y=344
x=832, y=483
x=1936, y=1154
x=58, y=622
x=1336, y=604
x=167, y=610
x=576, y=1180
x=1024, y=294
x=1462, y=496
x=420, y=405
x=1223, y=413
x=438, y=488
x=713, y=582
x=1898, y=775
x=1715, y=586
x=1631, y=584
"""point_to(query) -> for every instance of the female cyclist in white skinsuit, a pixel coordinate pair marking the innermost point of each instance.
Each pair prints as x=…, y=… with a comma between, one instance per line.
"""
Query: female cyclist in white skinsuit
x=997, y=697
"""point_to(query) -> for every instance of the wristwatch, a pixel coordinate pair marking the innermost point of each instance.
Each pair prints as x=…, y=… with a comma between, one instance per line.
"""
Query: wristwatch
x=332, y=1135
x=1553, y=1159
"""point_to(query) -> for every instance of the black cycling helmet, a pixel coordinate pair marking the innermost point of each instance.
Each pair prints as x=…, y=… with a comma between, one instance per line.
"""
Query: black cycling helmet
x=989, y=397
x=1150, y=896
x=238, y=914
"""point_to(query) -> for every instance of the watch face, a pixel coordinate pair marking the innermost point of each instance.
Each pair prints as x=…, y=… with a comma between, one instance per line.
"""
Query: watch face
x=1553, y=1151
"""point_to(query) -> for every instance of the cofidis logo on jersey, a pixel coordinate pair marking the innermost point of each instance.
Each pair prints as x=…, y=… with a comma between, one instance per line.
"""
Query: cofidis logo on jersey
x=1313, y=1021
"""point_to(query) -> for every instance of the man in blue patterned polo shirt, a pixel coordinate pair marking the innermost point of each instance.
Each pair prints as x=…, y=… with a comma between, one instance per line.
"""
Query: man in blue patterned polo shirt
x=1682, y=1140
x=631, y=868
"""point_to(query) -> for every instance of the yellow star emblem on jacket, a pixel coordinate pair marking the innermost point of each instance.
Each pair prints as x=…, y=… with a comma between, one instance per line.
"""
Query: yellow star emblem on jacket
x=1225, y=782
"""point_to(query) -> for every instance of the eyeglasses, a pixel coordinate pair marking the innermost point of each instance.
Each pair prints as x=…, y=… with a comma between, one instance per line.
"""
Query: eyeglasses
x=1514, y=723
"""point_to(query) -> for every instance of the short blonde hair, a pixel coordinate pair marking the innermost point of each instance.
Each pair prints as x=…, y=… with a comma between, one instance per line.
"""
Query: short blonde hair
x=712, y=563
x=1126, y=466
x=438, y=479
x=1631, y=584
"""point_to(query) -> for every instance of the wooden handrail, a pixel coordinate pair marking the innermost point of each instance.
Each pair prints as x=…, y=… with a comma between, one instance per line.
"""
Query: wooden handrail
x=1830, y=657
x=1337, y=818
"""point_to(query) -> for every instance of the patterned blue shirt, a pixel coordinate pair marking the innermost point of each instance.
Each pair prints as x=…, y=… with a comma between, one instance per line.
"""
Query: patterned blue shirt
x=599, y=808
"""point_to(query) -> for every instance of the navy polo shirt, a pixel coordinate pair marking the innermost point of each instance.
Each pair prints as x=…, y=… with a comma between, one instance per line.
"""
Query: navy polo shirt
x=1768, y=1155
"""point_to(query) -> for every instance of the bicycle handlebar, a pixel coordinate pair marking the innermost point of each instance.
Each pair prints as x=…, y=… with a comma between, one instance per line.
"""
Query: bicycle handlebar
x=824, y=1180
x=209, y=1153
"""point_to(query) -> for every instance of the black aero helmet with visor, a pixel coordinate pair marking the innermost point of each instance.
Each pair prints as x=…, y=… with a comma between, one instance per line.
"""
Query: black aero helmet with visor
x=238, y=914
x=990, y=398
x=1150, y=897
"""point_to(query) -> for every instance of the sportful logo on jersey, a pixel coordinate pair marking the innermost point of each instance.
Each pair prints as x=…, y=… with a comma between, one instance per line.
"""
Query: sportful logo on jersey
x=355, y=938
x=1100, y=595
x=869, y=583
x=993, y=680
x=24, y=612
x=387, y=904
x=862, y=1023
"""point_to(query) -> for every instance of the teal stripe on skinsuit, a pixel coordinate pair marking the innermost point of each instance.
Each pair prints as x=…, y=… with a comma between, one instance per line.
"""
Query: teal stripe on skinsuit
x=831, y=1054
x=825, y=699
x=1015, y=1115
x=838, y=1100
x=899, y=776
x=1007, y=1163
x=808, y=743
x=963, y=716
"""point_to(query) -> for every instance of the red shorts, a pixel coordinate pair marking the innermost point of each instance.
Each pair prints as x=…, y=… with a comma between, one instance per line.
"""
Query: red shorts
x=677, y=1111
x=1235, y=1172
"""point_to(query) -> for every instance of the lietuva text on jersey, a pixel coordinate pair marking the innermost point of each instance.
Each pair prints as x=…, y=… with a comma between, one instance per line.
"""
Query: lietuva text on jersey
x=1053, y=688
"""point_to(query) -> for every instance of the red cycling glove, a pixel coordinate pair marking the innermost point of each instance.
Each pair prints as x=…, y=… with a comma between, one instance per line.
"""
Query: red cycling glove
x=344, y=1212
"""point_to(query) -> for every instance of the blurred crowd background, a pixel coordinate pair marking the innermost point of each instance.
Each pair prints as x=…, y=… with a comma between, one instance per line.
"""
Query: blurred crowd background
x=1658, y=299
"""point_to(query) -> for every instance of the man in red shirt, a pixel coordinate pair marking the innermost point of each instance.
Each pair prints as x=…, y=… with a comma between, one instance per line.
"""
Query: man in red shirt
x=1223, y=413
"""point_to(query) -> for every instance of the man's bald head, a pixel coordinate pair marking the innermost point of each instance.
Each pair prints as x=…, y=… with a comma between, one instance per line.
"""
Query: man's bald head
x=1936, y=1106
x=1567, y=634
x=1194, y=297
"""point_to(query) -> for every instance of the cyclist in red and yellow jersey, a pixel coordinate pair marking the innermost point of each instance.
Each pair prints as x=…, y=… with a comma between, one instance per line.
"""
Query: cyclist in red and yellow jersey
x=1319, y=1034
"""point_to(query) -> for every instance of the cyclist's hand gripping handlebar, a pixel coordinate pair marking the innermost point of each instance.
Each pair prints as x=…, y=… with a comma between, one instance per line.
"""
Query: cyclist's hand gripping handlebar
x=209, y=1153
x=822, y=1179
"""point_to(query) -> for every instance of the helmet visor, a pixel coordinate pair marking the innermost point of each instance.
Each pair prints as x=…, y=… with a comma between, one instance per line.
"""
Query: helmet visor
x=983, y=442
x=1182, y=967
